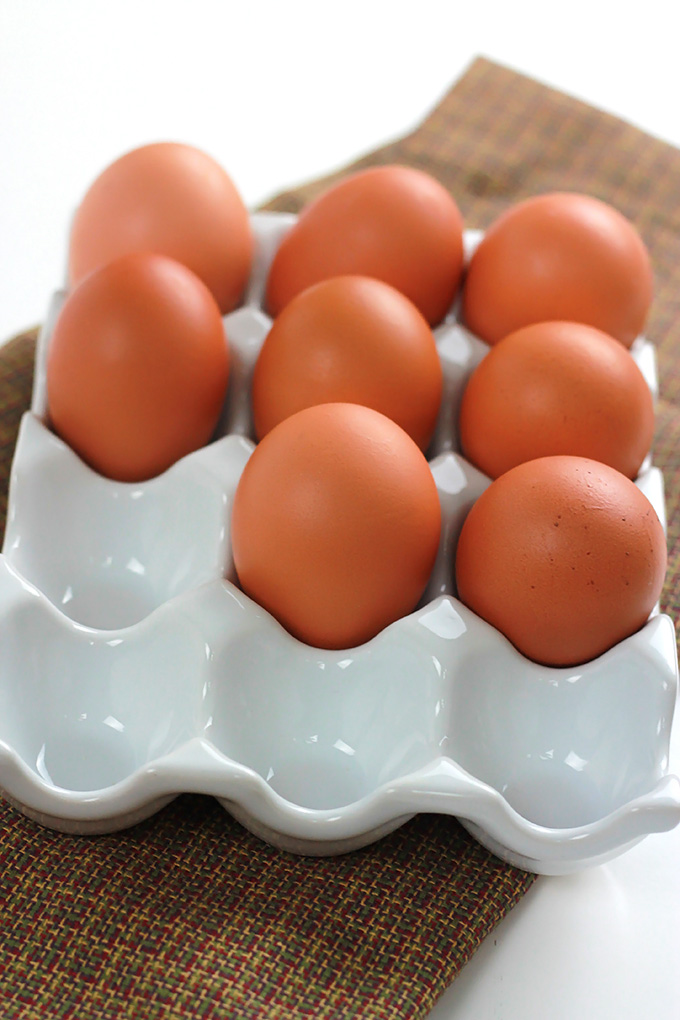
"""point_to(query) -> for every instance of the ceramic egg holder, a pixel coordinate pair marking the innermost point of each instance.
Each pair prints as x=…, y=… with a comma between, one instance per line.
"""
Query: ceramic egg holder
x=133, y=669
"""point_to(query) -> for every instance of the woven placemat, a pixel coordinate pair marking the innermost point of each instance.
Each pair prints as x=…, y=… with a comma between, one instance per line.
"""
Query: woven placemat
x=187, y=916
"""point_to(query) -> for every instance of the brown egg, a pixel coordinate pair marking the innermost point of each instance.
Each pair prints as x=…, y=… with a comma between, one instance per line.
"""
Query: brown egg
x=137, y=366
x=563, y=555
x=335, y=524
x=561, y=256
x=174, y=200
x=350, y=339
x=392, y=222
x=556, y=388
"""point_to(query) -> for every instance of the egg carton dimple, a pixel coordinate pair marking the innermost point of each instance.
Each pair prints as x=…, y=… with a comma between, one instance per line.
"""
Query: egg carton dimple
x=132, y=668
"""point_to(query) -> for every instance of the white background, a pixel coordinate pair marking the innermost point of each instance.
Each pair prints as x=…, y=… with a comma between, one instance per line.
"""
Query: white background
x=279, y=93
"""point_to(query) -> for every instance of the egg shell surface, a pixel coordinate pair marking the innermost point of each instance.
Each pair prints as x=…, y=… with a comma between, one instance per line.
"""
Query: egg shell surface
x=172, y=199
x=556, y=388
x=350, y=339
x=137, y=367
x=564, y=556
x=396, y=223
x=559, y=256
x=336, y=524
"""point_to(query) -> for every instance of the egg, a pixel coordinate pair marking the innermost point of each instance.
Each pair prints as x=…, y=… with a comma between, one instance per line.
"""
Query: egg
x=350, y=339
x=172, y=199
x=137, y=366
x=392, y=222
x=335, y=524
x=564, y=555
x=556, y=388
x=559, y=256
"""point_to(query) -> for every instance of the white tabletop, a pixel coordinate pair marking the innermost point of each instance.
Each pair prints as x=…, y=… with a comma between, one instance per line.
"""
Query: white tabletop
x=283, y=92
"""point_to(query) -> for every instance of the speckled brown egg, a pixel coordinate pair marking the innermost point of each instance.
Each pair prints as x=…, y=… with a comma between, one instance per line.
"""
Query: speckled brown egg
x=565, y=556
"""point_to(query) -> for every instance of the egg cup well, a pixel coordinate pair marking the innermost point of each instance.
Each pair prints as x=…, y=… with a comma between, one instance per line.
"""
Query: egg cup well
x=132, y=668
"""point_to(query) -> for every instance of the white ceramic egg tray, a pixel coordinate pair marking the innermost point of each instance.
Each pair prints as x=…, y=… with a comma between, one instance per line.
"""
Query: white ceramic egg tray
x=133, y=669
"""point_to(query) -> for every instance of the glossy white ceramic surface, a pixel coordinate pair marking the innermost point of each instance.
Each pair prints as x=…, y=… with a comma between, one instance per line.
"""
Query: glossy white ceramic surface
x=132, y=669
x=108, y=554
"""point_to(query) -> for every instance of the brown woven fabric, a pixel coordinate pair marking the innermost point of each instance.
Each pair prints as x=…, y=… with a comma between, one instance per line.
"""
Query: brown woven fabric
x=16, y=381
x=188, y=916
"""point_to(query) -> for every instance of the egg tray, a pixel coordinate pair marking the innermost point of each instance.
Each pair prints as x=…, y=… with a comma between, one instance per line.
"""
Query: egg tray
x=132, y=668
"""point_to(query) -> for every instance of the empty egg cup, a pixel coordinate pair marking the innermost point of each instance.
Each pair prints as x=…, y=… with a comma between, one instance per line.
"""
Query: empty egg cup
x=132, y=668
